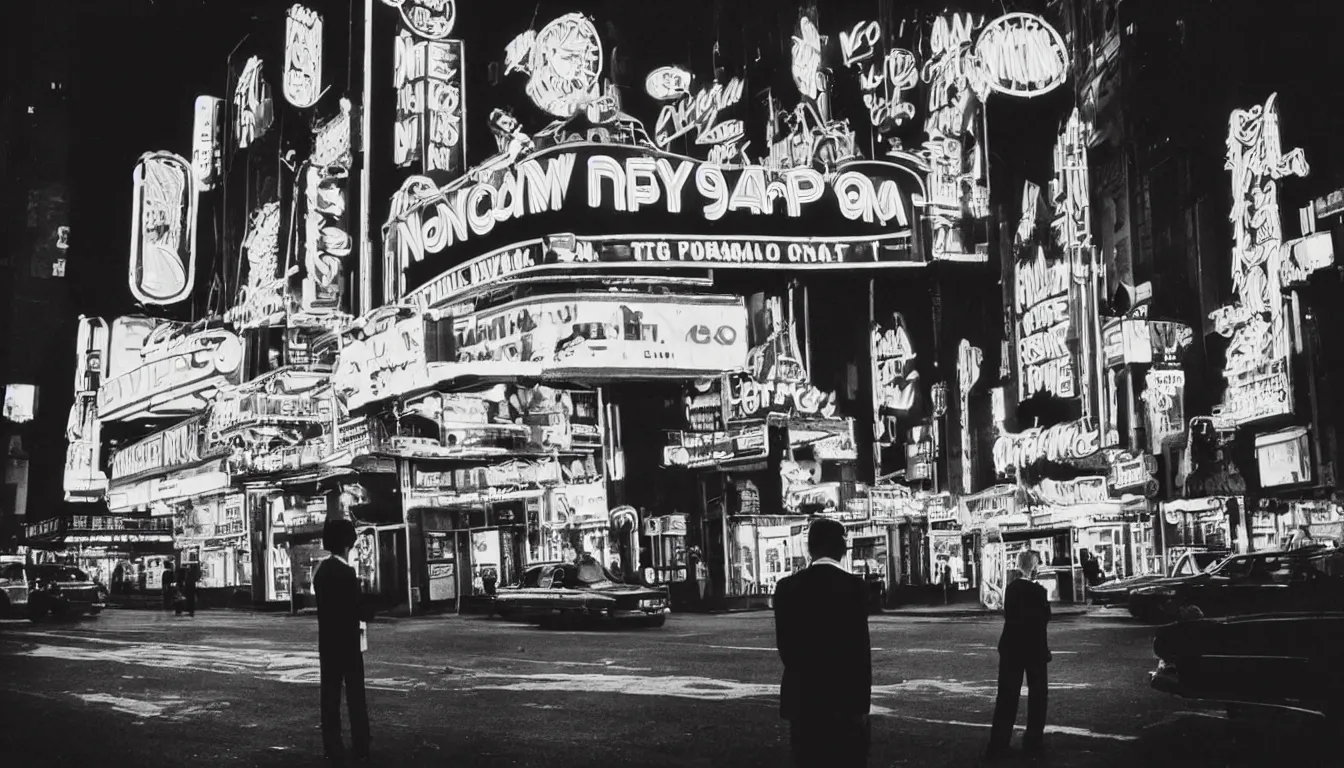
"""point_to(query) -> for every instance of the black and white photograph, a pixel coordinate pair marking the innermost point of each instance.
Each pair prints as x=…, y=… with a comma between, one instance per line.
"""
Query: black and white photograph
x=711, y=383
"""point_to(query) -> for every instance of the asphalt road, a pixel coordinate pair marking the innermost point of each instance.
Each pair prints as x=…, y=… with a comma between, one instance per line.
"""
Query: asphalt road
x=139, y=688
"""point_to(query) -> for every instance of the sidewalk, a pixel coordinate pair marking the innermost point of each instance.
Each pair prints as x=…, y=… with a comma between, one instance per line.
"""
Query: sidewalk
x=958, y=610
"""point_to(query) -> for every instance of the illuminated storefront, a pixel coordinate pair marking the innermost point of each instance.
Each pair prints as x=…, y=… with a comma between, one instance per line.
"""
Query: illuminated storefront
x=123, y=553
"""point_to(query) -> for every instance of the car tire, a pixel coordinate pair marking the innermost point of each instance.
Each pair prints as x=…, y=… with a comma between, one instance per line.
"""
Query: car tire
x=36, y=612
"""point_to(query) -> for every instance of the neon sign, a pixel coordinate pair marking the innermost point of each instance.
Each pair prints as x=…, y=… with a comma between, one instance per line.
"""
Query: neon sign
x=895, y=379
x=700, y=113
x=177, y=376
x=163, y=229
x=883, y=81
x=805, y=64
x=252, y=105
x=176, y=446
x=954, y=146
x=206, y=134
x=428, y=76
x=426, y=219
x=1019, y=54
x=302, y=79
x=1091, y=489
x=1060, y=443
x=431, y=19
x=969, y=360
x=1045, y=363
x=564, y=62
x=1257, y=371
x=668, y=83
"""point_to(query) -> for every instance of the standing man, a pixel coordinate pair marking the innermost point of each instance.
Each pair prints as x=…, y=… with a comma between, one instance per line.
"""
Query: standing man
x=821, y=630
x=1022, y=650
x=168, y=583
x=191, y=576
x=341, y=642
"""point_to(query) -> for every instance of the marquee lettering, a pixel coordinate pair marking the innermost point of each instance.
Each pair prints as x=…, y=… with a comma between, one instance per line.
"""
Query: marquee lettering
x=1060, y=443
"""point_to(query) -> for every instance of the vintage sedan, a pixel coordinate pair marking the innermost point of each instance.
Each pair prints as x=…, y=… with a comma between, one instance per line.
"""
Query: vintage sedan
x=1280, y=581
x=576, y=591
x=1192, y=563
x=1289, y=662
x=63, y=591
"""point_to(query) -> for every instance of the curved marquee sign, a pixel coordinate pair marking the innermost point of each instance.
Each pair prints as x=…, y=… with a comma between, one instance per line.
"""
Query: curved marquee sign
x=163, y=229
x=430, y=19
x=176, y=378
x=601, y=189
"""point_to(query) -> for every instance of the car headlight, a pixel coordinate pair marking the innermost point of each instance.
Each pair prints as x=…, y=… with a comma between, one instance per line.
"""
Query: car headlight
x=653, y=602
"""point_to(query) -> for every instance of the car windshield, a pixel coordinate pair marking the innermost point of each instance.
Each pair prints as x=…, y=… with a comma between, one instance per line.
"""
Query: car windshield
x=1234, y=567
x=61, y=573
x=1205, y=559
x=592, y=574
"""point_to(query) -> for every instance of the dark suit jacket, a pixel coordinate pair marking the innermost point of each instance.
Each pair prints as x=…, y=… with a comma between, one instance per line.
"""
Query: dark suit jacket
x=821, y=630
x=340, y=608
x=1026, y=611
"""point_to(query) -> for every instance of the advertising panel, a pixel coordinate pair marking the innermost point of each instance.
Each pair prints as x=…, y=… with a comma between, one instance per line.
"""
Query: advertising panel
x=1257, y=371
x=163, y=229
x=302, y=78
x=568, y=254
x=429, y=78
x=206, y=137
x=1044, y=325
x=177, y=375
x=177, y=446
x=1060, y=443
x=593, y=189
x=84, y=479
x=284, y=398
x=1164, y=398
x=695, y=450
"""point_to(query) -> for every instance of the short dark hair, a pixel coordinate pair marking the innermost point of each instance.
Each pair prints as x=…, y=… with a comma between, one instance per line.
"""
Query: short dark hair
x=338, y=535
x=826, y=538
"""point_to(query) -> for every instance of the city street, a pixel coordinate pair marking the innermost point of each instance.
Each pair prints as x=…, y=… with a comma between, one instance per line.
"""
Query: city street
x=224, y=688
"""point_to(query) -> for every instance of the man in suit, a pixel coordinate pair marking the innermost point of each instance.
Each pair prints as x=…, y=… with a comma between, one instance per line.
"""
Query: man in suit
x=340, y=628
x=821, y=630
x=1022, y=650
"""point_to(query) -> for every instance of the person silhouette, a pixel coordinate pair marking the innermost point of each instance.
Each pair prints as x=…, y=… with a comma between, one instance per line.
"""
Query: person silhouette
x=1023, y=650
x=341, y=618
x=821, y=631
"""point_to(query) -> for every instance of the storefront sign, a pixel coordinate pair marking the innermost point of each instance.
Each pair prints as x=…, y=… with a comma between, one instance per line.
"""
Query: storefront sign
x=892, y=504
x=1131, y=473
x=288, y=458
x=610, y=332
x=356, y=436
x=1019, y=54
x=1258, y=378
x=750, y=400
x=176, y=446
x=1284, y=458
x=580, y=188
x=163, y=229
x=84, y=479
x=1045, y=363
x=207, y=135
x=430, y=19
x=1060, y=443
x=233, y=411
x=980, y=508
x=1067, y=493
x=956, y=141
x=570, y=254
x=176, y=376
x=1164, y=399
x=691, y=450
x=510, y=474
x=302, y=80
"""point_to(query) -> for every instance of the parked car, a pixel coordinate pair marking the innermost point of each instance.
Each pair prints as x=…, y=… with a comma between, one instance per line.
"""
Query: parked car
x=13, y=588
x=1281, y=581
x=1292, y=662
x=584, y=590
x=1191, y=563
x=62, y=591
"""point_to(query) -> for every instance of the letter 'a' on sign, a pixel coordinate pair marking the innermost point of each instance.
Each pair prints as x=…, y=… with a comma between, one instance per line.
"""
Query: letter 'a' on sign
x=163, y=229
x=1019, y=54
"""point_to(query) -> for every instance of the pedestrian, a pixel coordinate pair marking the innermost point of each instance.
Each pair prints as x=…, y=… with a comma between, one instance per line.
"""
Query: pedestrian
x=169, y=586
x=191, y=576
x=341, y=642
x=1022, y=650
x=821, y=631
